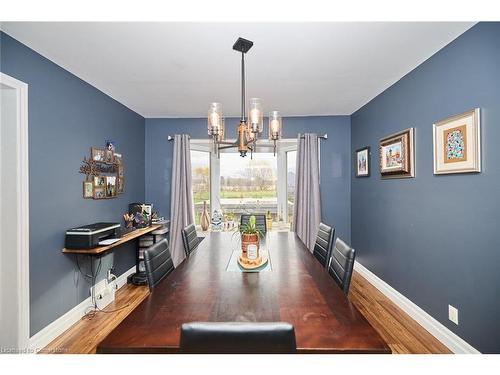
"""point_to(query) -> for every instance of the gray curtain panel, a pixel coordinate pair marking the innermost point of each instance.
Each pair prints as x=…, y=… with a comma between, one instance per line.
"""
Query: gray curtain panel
x=307, y=208
x=181, y=196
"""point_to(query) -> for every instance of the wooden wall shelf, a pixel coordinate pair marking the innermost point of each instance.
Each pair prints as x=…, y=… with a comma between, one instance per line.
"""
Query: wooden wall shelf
x=127, y=237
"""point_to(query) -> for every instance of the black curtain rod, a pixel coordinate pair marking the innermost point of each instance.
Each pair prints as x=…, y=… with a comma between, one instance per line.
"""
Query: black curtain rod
x=324, y=136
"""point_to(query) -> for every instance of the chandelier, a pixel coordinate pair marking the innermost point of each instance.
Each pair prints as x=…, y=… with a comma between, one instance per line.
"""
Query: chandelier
x=250, y=127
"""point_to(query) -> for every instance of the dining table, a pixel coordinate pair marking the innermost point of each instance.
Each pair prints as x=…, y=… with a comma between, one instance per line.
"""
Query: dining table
x=210, y=286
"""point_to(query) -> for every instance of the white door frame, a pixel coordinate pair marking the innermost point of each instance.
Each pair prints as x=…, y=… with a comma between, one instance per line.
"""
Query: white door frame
x=22, y=207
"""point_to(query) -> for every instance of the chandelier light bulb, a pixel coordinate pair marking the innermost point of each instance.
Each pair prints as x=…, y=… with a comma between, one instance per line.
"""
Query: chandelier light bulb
x=255, y=116
x=275, y=126
x=215, y=119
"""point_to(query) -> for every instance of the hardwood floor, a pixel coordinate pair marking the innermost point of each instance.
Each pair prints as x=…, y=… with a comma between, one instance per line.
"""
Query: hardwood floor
x=401, y=333
x=83, y=336
x=398, y=329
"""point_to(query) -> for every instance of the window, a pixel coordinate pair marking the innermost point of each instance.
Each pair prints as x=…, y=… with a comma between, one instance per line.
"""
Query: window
x=200, y=172
x=261, y=184
x=248, y=185
x=291, y=160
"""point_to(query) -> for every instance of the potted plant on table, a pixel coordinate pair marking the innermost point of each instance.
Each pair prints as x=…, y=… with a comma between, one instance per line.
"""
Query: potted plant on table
x=250, y=238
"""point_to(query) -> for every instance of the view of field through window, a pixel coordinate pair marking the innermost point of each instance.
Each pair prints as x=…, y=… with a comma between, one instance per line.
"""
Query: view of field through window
x=247, y=185
x=200, y=171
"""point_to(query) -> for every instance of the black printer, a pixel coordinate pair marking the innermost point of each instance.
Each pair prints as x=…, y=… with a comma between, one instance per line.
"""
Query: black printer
x=88, y=236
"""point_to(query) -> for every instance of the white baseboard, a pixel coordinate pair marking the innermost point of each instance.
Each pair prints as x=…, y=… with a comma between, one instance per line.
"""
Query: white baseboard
x=57, y=327
x=439, y=331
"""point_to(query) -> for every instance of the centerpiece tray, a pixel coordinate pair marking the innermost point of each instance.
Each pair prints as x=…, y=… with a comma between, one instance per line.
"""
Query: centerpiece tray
x=259, y=262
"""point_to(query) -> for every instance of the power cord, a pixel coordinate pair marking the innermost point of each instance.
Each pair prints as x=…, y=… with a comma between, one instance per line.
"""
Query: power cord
x=94, y=309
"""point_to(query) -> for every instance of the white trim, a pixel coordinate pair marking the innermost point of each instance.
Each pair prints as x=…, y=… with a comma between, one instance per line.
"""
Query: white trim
x=435, y=328
x=22, y=206
x=41, y=339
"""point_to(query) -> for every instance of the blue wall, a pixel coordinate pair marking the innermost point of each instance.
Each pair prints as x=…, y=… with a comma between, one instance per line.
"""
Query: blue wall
x=66, y=117
x=335, y=161
x=436, y=239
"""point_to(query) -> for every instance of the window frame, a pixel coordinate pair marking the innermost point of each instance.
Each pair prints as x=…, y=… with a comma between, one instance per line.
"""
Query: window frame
x=284, y=146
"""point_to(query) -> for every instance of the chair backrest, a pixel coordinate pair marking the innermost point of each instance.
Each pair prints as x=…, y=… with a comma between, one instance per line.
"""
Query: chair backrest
x=260, y=221
x=158, y=263
x=190, y=239
x=237, y=338
x=324, y=242
x=342, y=264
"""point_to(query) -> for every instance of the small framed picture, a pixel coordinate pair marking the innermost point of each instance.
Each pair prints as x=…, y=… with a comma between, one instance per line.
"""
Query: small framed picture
x=118, y=159
x=397, y=156
x=363, y=162
x=457, y=144
x=99, y=192
x=109, y=157
x=100, y=181
x=98, y=154
x=110, y=186
x=120, y=171
x=119, y=185
x=88, y=189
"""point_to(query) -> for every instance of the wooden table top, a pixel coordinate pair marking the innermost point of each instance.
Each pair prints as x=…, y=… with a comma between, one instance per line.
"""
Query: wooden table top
x=203, y=288
x=125, y=238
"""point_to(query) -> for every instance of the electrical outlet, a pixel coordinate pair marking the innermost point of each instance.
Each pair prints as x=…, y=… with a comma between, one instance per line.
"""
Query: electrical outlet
x=453, y=314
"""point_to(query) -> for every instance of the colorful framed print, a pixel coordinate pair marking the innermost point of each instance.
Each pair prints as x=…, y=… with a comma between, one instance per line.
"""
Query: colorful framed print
x=397, y=155
x=363, y=162
x=457, y=144
x=98, y=154
x=88, y=189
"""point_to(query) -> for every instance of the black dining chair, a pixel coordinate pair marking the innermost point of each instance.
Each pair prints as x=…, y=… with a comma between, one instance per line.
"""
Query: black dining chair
x=342, y=264
x=260, y=221
x=190, y=239
x=237, y=338
x=324, y=243
x=158, y=263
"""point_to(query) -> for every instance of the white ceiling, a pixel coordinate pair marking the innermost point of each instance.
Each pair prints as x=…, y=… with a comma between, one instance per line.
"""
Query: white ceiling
x=178, y=69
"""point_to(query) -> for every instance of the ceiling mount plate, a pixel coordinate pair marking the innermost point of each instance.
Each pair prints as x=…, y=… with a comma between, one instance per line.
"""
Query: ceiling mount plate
x=242, y=45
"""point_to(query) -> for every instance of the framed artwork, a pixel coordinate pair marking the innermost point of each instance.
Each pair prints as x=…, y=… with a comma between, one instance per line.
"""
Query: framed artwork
x=119, y=185
x=457, y=144
x=104, y=173
x=363, y=162
x=396, y=154
x=99, y=192
x=98, y=154
x=88, y=189
x=109, y=157
x=100, y=181
x=110, y=186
